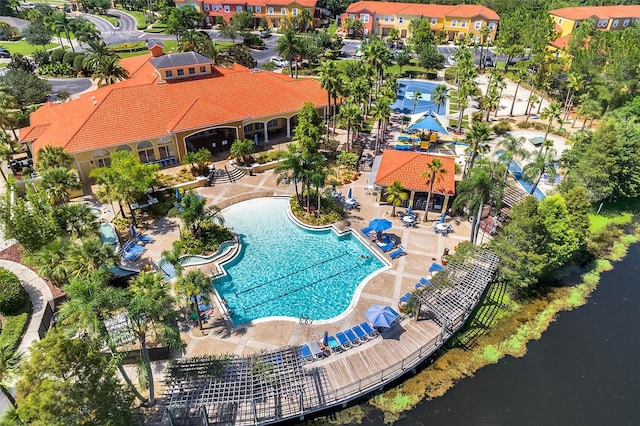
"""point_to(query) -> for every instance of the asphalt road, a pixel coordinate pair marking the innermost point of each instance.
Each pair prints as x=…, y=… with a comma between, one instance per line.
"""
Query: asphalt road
x=71, y=85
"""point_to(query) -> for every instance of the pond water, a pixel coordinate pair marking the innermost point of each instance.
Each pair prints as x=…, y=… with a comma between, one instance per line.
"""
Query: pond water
x=585, y=370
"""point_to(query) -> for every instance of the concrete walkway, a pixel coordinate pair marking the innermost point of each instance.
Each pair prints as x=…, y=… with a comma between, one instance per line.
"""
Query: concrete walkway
x=40, y=295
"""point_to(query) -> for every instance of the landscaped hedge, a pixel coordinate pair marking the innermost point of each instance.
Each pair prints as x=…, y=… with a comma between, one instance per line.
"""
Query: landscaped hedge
x=12, y=295
x=12, y=330
x=57, y=55
x=502, y=127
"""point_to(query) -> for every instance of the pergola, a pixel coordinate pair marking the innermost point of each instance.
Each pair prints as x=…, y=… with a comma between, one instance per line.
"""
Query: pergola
x=228, y=390
x=454, y=292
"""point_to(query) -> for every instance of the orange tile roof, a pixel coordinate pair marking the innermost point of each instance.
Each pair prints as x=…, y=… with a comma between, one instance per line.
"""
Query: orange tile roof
x=561, y=42
x=427, y=10
x=408, y=168
x=142, y=108
x=602, y=12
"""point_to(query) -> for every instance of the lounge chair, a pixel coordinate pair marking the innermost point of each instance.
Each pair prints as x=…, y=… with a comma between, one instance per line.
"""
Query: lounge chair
x=405, y=298
x=353, y=339
x=316, y=351
x=424, y=281
x=143, y=238
x=366, y=231
x=343, y=340
x=360, y=333
x=386, y=243
x=436, y=267
x=304, y=353
x=371, y=332
x=334, y=345
x=397, y=252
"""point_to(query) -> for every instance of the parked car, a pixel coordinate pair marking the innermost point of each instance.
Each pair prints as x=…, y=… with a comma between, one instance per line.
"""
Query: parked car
x=488, y=62
x=265, y=33
x=279, y=61
x=4, y=53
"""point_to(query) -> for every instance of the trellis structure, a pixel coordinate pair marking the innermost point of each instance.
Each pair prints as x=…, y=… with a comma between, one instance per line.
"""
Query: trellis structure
x=454, y=292
x=228, y=390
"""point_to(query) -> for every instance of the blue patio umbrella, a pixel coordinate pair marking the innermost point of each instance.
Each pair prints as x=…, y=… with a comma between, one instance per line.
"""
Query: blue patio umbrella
x=178, y=194
x=381, y=316
x=350, y=193
x=429, y=122
x=444, y=214
x=325, y=339
x=409, y=211
x=380, y=225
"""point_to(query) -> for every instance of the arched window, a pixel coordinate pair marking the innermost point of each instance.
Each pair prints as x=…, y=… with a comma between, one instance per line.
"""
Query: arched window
x=124, y=148
x=101, y=158
x=145, y=152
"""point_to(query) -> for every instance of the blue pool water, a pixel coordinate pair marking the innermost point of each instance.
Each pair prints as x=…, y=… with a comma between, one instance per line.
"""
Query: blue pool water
x=406, y=90
x=285, y=270
x=516, y=171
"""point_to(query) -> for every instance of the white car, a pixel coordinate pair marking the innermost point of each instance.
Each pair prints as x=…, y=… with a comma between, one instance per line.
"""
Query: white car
x=280, y=62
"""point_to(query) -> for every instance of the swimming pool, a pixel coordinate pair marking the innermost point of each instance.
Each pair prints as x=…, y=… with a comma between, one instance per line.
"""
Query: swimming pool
x=406, y=91
x=193, y=260
x=108, y=234
x=285, y=270
x=516, y=172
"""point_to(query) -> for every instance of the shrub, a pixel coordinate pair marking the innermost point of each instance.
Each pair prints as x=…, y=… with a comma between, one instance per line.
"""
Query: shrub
x=523, y=125
x=477, y=116
x=78, y=63
x=42, y=57
x=212, y=236
x=57, y=69
x=252, y=40
x=539, y=126
x=502, y=127
x=69, y=57
x=12, y=295
x=56, y=56
x=432, y=74
x=450, y=74
x=330, y=212
x=13, y=327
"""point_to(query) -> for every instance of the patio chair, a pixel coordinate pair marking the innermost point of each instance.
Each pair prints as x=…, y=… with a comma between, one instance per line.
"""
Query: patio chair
x=343, y=340
x=424, y=281
x=334, y=345
x=367, y=231
x=406, y=297
x=397, y=253
x=386, y=243
x=360, y=333
x=353, y=339
x=371, y=332
x=304, y=353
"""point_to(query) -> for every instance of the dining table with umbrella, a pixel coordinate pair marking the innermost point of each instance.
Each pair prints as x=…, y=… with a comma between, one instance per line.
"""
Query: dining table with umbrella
x=382, y=316
x=380, y=224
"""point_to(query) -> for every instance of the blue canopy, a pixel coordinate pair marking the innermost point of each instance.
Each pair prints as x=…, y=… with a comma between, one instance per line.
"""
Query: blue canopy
x=381, y=316
x=379, y=225
x=429, y=122
x=350, y=193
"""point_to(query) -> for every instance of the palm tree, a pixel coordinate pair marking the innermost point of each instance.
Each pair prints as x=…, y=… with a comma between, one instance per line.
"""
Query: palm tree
x=91, y=254
x=191, y=41
x=349, y=113
x=288, y=45
x=542, y=163
x=172, y=256
x=191, y=286
x=551, y=113
x=109, y=71
x=51, y=157
x=84, y=30
x=510, y=148
x=440, y=95
x=291, y=167
x=484, y=33
x=531, y=102
x=8, y=110
x=150, y=311
x=194, y=213
x=328, y=75
x=217, y=53
x=395, y=195
x=590, y=108
x=499, y=83
x=464, y=91
x=378, y=55
x=95, y=54
x=521, y=74
x=241, y=149
x=57, y=182
x=434, y=173
x=91, y=301
x=491, y=101
x=475, y=190
x=573, y=85
x=49, y=260
x=415, y=98
x=381, y=112
x=318, y=178
x=62, y=23
x=77, y=219
x=476, y=137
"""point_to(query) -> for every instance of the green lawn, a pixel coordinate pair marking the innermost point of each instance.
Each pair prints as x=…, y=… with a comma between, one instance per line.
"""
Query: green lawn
x=112, y=20
x=23, y=47
x=620, y=212
x=141, y=21
x=169, y=46
x=395, y=69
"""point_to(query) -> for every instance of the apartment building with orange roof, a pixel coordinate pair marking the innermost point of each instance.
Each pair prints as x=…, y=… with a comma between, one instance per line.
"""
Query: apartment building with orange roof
x=608, y=18
x=451, y=21
x=273, y=13
x=172, y=104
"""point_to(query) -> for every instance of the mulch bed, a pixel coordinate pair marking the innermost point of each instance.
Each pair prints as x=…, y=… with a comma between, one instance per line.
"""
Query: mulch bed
x=13, y=254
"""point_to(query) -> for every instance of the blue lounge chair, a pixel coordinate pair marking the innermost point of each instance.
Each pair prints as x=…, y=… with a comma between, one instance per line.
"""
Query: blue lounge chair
x=343, y=340
x=405, y=298
x=436, y=267
x=424, y=281
x=366, y=231
x=334, y=345
x=360, y=333
x=371, y=332
x=316, y=350
x=353, y=339
x=143, y=238
x=304, y=353
x=397, y=252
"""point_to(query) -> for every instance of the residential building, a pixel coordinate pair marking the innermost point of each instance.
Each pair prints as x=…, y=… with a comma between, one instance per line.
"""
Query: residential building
x=409, y=169
x=13, y=27
x=450, y=21
x=272, y=13
x=606, y=18
x=172, y=104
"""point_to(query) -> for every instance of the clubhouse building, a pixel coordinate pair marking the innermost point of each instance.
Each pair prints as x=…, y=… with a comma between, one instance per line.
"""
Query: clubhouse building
x=170, y=105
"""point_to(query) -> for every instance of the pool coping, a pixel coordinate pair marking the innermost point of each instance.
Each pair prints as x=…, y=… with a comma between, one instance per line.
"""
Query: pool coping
x=357, y=292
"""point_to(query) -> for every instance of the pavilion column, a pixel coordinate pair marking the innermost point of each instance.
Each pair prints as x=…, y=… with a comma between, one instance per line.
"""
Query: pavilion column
x=411, y=198
x=288, y=127
x=266, y=134
x=445, y=204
